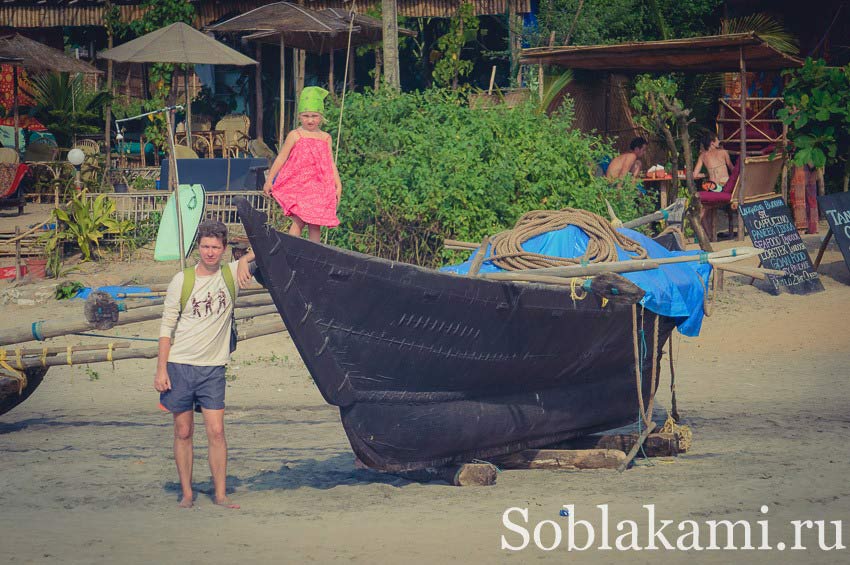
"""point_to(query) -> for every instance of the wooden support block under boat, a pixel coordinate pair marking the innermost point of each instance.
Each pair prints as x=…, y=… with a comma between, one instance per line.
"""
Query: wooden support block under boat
x=468, y=474
x=656, y=445
x=562, y=459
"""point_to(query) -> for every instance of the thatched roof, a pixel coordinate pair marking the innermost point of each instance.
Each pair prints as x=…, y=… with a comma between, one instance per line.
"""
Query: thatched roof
x=177, y=43
x=59, y=13
x=366, y=30
x=716, y=53
x=35, y=56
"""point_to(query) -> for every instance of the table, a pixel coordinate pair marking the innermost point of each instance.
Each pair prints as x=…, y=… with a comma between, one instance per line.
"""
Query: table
x=664, y=185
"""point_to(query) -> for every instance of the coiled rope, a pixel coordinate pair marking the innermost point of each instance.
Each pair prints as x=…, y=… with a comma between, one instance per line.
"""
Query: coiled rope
x=509, y=254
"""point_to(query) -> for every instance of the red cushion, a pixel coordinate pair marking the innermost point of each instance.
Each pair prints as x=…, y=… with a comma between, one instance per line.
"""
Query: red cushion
x=714, y=197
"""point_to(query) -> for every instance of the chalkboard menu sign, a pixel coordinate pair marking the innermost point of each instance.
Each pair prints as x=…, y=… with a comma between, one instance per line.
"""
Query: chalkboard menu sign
x=771, y=228
x=836, y=207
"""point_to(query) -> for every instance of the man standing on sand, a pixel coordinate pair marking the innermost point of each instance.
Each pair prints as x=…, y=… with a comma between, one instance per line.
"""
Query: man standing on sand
x=194, y=347
x=629, y=162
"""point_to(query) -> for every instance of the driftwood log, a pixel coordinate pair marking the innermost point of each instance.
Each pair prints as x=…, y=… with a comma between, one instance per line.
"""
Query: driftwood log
x=562, y=459
x=468, y=474
x=656, y=445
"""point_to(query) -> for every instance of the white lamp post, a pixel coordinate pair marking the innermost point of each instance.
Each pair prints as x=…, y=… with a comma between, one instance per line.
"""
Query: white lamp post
x=76, y=158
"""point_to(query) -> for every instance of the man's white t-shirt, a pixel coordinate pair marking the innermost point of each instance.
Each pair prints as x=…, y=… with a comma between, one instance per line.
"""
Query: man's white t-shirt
x=201, y=336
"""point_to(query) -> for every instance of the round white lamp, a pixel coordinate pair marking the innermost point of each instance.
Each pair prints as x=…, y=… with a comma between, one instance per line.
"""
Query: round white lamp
x=76, y=157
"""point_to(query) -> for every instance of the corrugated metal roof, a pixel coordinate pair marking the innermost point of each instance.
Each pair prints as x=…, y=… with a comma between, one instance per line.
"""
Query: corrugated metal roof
x=716, y=53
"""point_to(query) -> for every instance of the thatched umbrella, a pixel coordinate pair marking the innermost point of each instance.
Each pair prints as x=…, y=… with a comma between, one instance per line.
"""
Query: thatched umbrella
x=35, y=56
x=292, y=25
x=181, y=44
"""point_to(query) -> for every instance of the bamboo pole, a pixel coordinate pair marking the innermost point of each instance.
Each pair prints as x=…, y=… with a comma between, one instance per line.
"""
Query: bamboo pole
x=56, y=350
x=743, y=156
x=725, y=256
x=44, y=329
x=173, y=181
x=145, y=353
x=563, y=459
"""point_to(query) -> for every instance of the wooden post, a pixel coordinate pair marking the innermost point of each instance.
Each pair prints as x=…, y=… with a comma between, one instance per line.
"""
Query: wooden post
x=15, y=107
x=282, y=130
x=389, y=35
x=331, y=73
x=822, y=249
x=784, y=185
x=17, y=253
x=188, y=107
x=258, y=92
x=300, y=69
x=351, y=70
x=107, y=134
x=174, y=184
x=492, y=80
x=743, y=155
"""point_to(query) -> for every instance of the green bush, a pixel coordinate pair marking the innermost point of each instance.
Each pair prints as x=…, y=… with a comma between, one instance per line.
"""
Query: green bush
x=420, y=167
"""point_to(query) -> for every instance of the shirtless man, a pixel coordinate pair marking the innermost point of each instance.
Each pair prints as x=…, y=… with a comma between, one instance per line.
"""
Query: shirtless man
x=716, y=161
x=628, y=162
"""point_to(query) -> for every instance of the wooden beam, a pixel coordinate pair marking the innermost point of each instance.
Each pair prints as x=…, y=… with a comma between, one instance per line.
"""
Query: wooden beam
x=656, y=445
x=562, y=459
x=468, y=474
x=258, y=92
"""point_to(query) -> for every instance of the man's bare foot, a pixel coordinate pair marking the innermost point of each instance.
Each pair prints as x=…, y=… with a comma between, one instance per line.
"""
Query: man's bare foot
x=226, y=503
x=186, y=502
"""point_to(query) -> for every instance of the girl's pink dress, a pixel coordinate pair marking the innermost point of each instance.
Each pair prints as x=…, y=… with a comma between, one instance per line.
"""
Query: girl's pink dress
x=305, y=185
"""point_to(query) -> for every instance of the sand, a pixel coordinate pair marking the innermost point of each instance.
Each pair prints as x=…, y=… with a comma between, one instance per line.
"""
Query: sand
x=87, y=474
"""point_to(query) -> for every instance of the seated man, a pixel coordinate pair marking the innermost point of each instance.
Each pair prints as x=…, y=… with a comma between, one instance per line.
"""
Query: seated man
x=628, y=162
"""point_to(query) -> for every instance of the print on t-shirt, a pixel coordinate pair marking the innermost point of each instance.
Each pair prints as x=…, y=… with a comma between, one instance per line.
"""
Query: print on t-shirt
x=220, y=300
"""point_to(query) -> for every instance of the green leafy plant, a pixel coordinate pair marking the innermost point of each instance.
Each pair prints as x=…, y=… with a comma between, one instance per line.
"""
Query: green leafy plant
x=423, y=166
x=66, y=106
x=92, y=374
x=68, y=289
x=463, y=29
x=817, y=113
x=84, y=222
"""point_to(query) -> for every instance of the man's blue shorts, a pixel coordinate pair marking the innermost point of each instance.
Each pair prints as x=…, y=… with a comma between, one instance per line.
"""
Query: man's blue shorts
x=193, y=385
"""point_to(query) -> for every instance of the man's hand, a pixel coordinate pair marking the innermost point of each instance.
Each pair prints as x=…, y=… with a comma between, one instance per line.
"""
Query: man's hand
x=161, y=382
x=243, y=273
x=267, y=189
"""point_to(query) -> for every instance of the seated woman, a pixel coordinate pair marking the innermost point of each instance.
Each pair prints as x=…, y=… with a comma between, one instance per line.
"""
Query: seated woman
x=716, y=161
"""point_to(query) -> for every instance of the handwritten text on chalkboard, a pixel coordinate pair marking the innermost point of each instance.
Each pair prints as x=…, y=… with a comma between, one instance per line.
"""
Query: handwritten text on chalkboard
x=771, y=228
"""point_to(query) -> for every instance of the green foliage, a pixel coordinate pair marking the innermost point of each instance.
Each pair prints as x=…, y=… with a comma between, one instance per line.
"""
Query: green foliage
x=68, y=289
x=84, y=222
x=618, y=21
x=652, y=115
x=817, y=113
x=420, y=167
x=66, y=106
x=462, y=30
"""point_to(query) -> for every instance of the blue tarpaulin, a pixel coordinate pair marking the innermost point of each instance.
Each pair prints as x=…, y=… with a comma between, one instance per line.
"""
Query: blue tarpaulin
x=113, y=291
x=675, y=290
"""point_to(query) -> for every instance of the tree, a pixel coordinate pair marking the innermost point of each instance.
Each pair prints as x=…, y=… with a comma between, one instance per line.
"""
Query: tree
x=462, y=30
x=389, y=18
x=660, y=111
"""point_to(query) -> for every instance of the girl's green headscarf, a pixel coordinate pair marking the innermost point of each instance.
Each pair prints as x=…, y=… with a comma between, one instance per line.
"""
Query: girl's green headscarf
x=312, y=100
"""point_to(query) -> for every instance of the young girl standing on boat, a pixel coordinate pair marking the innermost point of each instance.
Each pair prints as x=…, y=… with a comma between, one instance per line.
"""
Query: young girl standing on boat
x=303, y=178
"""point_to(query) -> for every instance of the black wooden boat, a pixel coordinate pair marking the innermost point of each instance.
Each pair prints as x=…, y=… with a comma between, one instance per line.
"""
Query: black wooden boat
x=429, y=368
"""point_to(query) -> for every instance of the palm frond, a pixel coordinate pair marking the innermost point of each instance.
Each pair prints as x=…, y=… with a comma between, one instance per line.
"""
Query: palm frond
x=555, y=88
x=765, y=26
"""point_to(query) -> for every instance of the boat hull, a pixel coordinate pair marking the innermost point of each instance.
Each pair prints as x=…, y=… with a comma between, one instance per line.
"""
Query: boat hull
x=430, y=368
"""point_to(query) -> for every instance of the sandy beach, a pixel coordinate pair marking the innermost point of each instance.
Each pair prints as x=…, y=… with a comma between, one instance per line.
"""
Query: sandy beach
x=88, y=476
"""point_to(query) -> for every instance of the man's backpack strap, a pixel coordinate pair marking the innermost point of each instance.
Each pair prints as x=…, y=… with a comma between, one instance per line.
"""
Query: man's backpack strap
x=188, y=285
x=227, y=274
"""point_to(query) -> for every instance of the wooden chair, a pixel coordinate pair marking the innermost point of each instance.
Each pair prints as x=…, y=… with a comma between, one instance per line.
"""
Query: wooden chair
x=761, y=172
x=12, y=186
x=233, y=138
x=9, y=156
x=183, y=152
x=88, y=146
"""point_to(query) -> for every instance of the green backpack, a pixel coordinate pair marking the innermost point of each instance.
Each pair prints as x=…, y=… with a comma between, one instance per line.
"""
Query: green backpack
x=189, y=284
